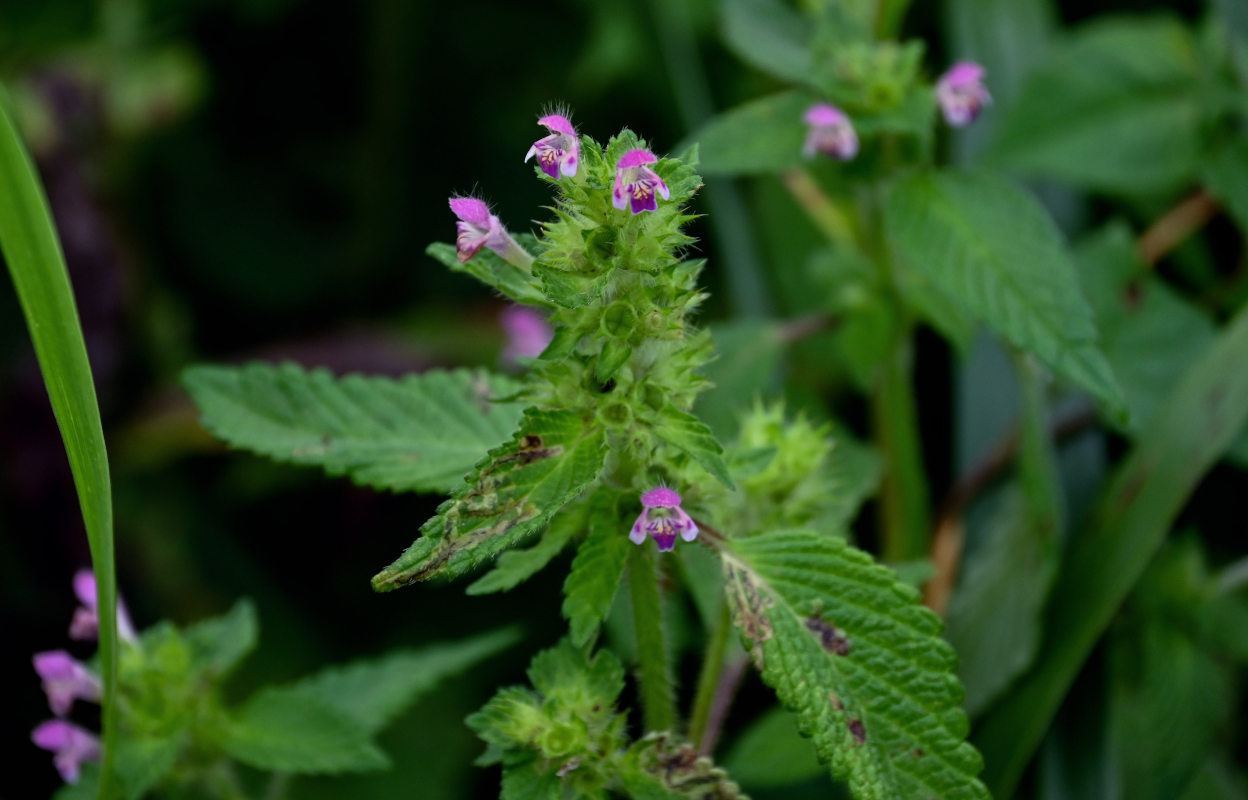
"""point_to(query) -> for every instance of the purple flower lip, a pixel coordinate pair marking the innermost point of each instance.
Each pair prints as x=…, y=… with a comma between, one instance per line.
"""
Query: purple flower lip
x=70, y=746
x=478, y=228
x=961, y=93
x=65, y=680
x=830, y=133
x=527, y=331
x=86, y=620
x=636, y=185
x=662, y=519
x=560, y=152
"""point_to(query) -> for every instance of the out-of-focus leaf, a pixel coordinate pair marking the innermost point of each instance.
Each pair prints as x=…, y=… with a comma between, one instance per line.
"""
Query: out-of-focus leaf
x=1216, y=780
x=1226, y=174
x=990, y=247
x=217, y=645
x=749, y=354
x=418, y=433
x=769, y=35
x=1194, y=427
x=513, y=492
x=1115, y=107
x=771, y=752
x=761, y=136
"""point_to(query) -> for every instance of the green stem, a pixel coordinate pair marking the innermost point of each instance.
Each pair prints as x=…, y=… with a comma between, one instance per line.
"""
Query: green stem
x=708, y=679
x=828, y=217
x=657, y=705
x=903, y=494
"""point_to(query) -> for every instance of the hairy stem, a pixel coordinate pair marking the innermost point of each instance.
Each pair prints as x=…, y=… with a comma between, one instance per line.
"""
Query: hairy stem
x=709, y=678
x=654, y=672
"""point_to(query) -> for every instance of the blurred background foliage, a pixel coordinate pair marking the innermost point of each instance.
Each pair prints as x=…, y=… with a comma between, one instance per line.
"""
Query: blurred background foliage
x=242, y=179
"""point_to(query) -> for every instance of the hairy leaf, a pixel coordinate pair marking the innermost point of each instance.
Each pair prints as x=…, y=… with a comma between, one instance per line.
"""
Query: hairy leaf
x=372, y=692
x=597, y=569
x=989, y=246
x=286, y=731
x=418, y=433
x=1116, y=108
x=516, y=566
x=1195, y=425
x=513, y=492
x=850, y=651
x=690, y=435
x=489, y=268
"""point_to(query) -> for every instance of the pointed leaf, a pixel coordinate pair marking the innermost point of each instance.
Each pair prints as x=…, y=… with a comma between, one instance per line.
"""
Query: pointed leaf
x=861, y=663
x=990, y=247
x=690, y=435
x=489, y=268
x=513, y=492
x=597, y=569
x=516, y=566
x=217, y=645
x=418, y=433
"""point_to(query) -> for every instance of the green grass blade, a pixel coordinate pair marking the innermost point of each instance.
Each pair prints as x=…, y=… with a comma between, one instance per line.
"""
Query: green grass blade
x=33, y=255
x=1185, y=438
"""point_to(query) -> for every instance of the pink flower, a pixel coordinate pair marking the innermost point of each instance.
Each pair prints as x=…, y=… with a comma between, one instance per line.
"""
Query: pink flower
x=961, y=93
x=65, y=680
x=86, y=621
x=527, y=331
x=558, y=152
x=70, y=744
x=661, y=519
x=636, y=183
x=479, y=228
x=830, y=133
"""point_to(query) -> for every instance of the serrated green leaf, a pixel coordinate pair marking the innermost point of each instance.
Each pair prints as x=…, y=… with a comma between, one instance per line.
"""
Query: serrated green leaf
x=372, y=692
x=597, y=569
x=523, y=781
x=489, y=268
x=1116, y=107
x=769, y=35
x=513, y=492
x=1194, y=427
x=761, y=136
x=852, y=653
x=570, y=289
x=990, y=247
x=771, y=752
x=288, y=731
x=418, y=433
x=517, y=566
x=217, y=645
x=690, y=435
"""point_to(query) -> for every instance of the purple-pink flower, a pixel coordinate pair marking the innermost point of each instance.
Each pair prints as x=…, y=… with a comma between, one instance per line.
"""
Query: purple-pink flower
x=961, y=93
x=662, y=519
x=527, y=332
x=70, y=745
x=478, y=228
x=636, y=184
x=86, y=620
x=831, y=133
x=65, y=680
x=558, y=152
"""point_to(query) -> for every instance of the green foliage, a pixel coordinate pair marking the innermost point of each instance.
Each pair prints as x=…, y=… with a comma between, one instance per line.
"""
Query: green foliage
x=513, y=492
x=33, y=256
x=419, y=433
x=289, y=731
x=748, y=362
x=771, y=752
x=217, y=645
x=1227, y=177
x=597, y=569
x=689, y=435
x=489, y=268
x=514, y=567
x=1194, y=427
x=661, y=767
x=1122, y=105
x=769, y=35
x=760, y=136
x=991, y=249
x=849, y=650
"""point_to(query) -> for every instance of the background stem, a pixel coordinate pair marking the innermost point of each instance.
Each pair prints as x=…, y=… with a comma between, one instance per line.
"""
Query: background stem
x=708, y=679
x=903, y=493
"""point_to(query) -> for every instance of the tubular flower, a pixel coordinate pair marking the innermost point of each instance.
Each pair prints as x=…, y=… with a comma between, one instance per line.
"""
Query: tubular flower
x=478, y=228
x=558, y=152
x=70, y=745
x=961, y=93
x=65, y=680
x=661, y=519
x=86, y=621
x=636, y=184
x=527, y=331
x=830, y=133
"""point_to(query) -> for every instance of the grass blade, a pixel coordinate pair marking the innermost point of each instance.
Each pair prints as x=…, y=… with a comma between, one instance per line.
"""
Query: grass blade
x=33, y=255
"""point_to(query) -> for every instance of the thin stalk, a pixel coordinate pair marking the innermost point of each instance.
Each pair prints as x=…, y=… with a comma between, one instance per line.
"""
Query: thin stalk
x=654, y=672
x=826, y=215
x=709, y=678
x=725, y=692
x=904, y=518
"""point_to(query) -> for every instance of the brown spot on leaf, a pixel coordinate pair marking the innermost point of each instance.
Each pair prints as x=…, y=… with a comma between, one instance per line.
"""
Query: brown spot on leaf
x=831, y=637
x=836, y=702
x=858, y=731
